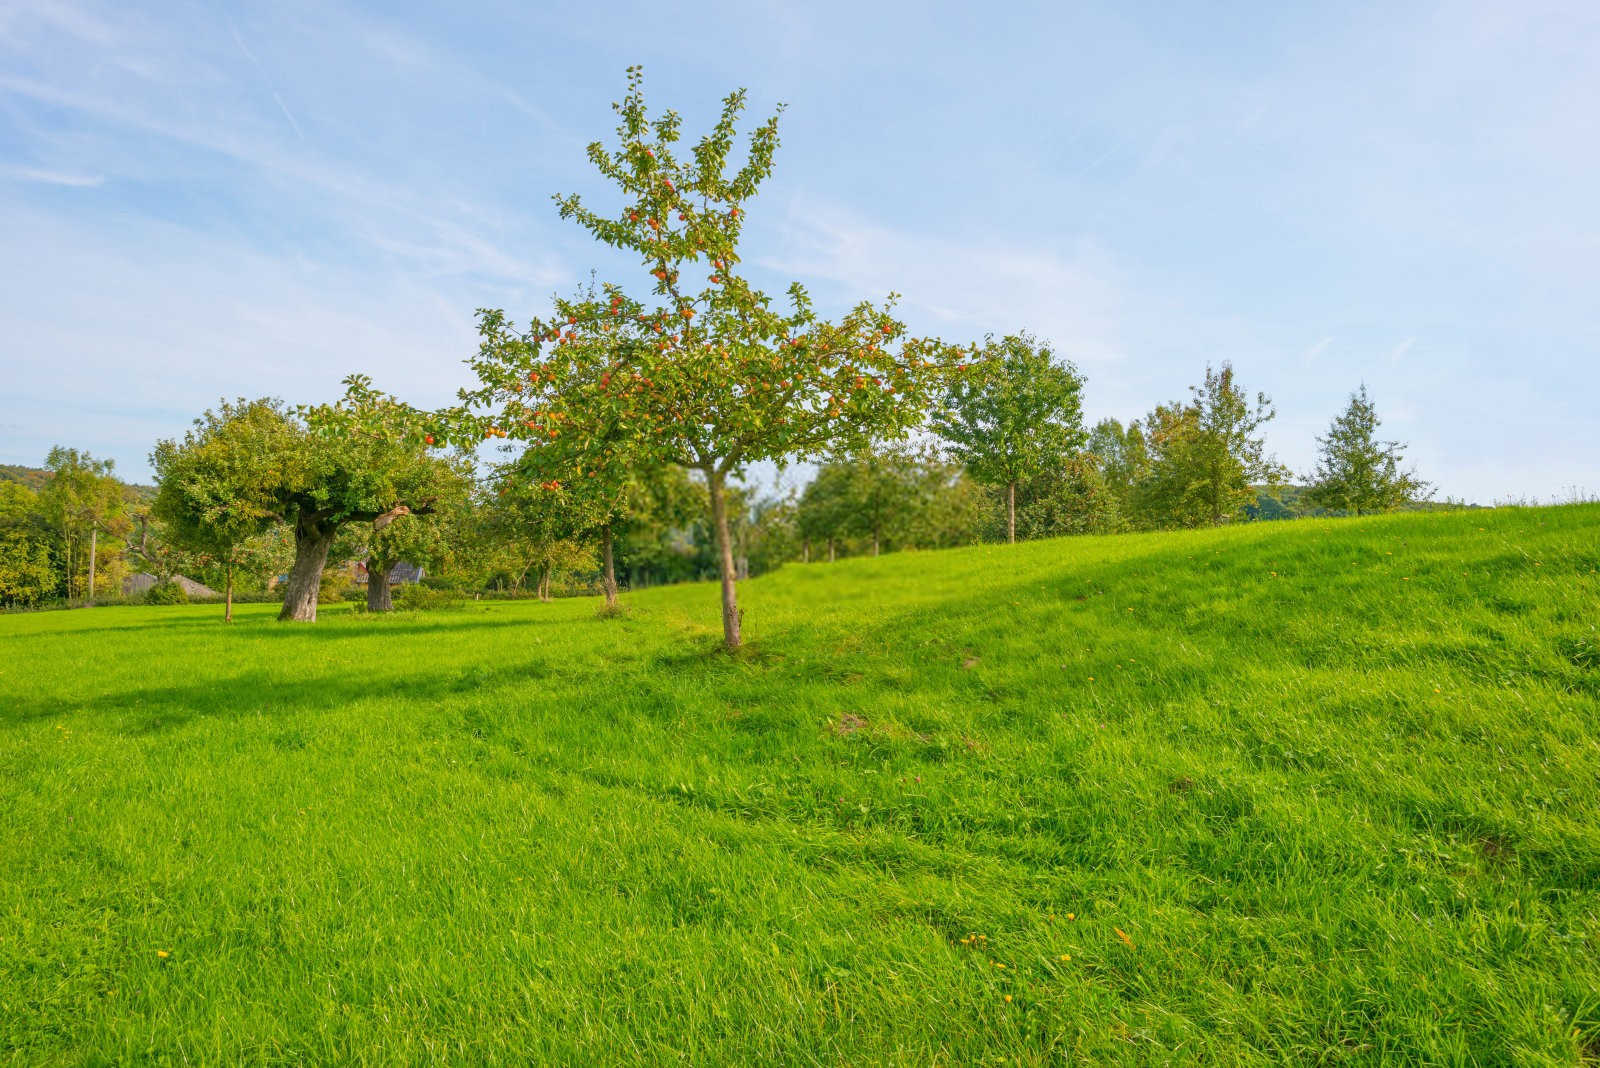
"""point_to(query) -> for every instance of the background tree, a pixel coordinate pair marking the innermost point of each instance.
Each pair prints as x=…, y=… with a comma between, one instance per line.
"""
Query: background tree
x=823, y=516
x=28, y=573
x=707, y=374
x=653, y=543
x=218, y=489
x=83, y=499
x=881, y=488
x=1023, y=414
x=1355, y=471
x=1123, y=462
x=537, y=529
x=1205, y=454
x=951, y=508
x=772, y=534
x=1068, y=498
x=422, y=539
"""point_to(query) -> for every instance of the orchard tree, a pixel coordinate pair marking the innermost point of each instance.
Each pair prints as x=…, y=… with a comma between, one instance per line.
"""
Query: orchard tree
x=1205, y=454
x=421, y=539
x=824, y=513
x=246, y=466
x=702, y=371
x=881, y=490
x=218, y=490
x=1022, y=415
x=1356, y=472
x=364, y=459
x=536, y=527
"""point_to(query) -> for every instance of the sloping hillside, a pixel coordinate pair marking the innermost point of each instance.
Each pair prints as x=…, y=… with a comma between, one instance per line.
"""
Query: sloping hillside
x=1290, y=792
x=32, y=477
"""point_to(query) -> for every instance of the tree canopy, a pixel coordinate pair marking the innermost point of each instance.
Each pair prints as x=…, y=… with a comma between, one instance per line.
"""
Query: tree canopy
x=703, y=370
x=1358, y=473
x=1019, y=416
x=1205, y=454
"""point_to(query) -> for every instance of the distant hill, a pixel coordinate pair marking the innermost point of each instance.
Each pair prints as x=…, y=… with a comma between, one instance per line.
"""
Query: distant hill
x=36, y=478
x=32, y=477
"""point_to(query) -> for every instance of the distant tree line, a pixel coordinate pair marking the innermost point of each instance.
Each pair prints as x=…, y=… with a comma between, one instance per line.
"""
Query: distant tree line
x=1003, y=456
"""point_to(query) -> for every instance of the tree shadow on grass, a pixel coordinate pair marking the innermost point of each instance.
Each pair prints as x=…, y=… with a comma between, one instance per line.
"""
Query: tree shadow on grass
x=273, y=630
x=263, y=693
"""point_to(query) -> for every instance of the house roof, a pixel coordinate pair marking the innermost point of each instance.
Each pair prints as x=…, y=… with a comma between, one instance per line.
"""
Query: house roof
x=141, y=582
x=404, y=572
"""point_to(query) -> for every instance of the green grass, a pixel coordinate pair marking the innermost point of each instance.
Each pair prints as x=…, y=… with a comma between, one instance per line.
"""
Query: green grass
x=1337, y=782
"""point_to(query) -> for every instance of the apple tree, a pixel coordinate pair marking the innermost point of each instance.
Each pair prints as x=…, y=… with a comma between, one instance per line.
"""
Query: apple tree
x=529, y=525
x=219, y=488
x=428, y=538
x=363, y=459
x=700, y=368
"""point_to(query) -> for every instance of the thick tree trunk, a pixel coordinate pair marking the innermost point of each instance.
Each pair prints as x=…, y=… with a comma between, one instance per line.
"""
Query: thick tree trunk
x=805, y=551
x=1011, y=512
x=875, y=548
x=94, y=543
x=227, y=596
x=830, y=551
x=544, y=584
x=378, y=597
x=731, y=638
x=609, y=579
x=312, y=540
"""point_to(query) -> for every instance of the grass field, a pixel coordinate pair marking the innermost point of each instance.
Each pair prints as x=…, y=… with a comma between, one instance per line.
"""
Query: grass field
x=1313, y=791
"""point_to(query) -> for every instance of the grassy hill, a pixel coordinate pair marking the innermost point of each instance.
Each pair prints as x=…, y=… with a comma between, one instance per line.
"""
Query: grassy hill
x=1290, y=792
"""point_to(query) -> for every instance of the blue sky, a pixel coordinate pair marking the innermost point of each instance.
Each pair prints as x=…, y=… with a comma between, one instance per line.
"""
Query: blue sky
x=219, y=200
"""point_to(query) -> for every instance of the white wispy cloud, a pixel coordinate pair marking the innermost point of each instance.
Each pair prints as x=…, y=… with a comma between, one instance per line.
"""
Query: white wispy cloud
x=967, y=288
x=50, y=177
x=1315, y=350
x=288, y=115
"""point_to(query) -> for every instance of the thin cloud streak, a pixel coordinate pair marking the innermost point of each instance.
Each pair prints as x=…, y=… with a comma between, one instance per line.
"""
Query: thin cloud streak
x=968, y=289
x=48, y=177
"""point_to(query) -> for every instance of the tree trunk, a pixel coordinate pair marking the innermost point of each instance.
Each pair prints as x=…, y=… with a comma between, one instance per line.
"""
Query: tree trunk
x=94, y=540
x=378, y=597
x=544, y=583
x=227, y=596
x=1011, y=512
x=830, y=551
x=730, y=598
x=805, y=551
x=609, y=580
x=312, y=540
x=875, y=549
